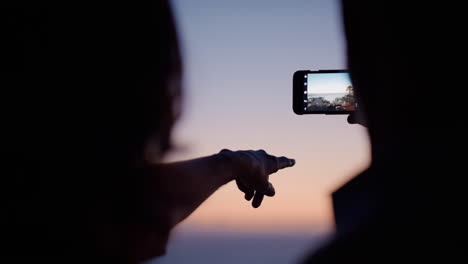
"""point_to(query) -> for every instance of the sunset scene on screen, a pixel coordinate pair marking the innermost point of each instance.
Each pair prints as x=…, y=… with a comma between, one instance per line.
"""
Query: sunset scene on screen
x=239, y=58
x=329, y=92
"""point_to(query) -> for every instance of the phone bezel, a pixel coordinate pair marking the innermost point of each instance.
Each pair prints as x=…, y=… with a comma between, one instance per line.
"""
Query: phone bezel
x=298, y=93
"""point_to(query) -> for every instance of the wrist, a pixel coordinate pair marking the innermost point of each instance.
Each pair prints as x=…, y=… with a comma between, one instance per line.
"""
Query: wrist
x=226, y=164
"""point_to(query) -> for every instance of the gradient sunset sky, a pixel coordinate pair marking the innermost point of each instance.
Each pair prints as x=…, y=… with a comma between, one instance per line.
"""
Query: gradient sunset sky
x=239, y=58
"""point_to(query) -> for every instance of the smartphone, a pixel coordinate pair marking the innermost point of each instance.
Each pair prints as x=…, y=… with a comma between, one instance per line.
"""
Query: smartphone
x=323, y=92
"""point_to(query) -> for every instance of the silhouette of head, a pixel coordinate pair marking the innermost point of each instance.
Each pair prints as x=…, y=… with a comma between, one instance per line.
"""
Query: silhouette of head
x=97, y=77
x=400, y=57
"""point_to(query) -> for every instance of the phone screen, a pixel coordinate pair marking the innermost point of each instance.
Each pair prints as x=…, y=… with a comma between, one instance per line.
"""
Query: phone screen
x=328, y=92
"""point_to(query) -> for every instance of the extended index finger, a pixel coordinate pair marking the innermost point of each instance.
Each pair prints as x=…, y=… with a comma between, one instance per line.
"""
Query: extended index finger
x=284, y=162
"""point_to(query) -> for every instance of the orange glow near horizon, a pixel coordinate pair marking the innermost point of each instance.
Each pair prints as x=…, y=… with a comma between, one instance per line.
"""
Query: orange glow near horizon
x=302, y=202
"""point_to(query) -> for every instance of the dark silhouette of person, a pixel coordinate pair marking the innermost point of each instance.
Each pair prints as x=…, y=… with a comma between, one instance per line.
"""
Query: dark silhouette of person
x=408, y=206
x=90, y=92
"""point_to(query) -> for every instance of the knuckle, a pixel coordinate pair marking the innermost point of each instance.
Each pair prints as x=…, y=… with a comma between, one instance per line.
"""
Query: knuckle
x=263, y=186
x=225, y=150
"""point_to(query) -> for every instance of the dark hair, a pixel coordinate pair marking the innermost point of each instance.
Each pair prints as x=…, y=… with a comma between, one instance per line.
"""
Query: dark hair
x=96, y=76
x=401, y=55
x=84, y=87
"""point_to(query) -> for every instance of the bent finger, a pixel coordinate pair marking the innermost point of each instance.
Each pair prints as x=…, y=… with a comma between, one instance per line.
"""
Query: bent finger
x=249, y=192
x=257, y=199
x=249, y=195
x=270, y=191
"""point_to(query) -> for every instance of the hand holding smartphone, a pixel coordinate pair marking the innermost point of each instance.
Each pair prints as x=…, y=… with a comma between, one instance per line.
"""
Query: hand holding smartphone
x=323, y=92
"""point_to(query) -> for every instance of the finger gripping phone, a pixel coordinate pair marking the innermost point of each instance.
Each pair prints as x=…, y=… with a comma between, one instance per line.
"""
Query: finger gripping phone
x=323, y=92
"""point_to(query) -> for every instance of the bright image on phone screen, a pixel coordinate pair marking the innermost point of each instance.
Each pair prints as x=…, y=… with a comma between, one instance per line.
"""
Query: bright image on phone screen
x=329, y=92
